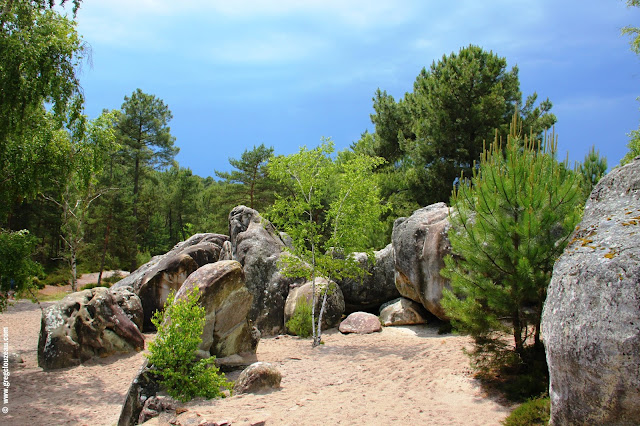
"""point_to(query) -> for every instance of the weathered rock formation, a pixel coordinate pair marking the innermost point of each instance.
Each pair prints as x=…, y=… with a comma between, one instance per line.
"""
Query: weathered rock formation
x=130, y=304
x=259, y=377
x=143, y=387
x=84, y=325
x=420, y=244
x=227, y=302
x=591, y=318
x=376, y=287
x=402, y=311
x=258, y=247
x=154, y=281
x=360, y=323
x=334, y=308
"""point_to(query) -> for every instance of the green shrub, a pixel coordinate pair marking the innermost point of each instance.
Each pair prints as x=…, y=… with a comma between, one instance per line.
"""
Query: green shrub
x=59, y=276
x=172, y=354
x=533, y=412
x=300, y=323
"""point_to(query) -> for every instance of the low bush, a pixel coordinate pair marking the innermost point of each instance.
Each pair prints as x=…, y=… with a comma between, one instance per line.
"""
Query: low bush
x=172, y=355
x=533, y=412
x=59, y=276
x=300, y=323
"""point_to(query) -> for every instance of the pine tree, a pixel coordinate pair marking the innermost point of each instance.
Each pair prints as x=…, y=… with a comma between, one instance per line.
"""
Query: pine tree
x=592, y=169
x=510, y=222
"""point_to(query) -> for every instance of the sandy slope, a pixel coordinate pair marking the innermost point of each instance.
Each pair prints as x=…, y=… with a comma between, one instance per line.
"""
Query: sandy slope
x=404, y=375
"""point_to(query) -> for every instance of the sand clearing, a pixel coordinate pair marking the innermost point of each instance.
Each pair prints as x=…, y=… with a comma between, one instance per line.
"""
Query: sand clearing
x=403, y=375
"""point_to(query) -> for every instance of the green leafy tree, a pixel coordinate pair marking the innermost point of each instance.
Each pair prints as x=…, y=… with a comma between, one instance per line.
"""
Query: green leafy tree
x=143, y=128
x=250, y=183
x=172, y=354
x=40, y=54
x=17, y=269
x=87, y=158
x=510, y=222
x=330, y=208
x=593, y=168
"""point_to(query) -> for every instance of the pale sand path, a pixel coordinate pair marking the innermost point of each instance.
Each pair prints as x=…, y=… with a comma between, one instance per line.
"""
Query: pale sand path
x=404, y=375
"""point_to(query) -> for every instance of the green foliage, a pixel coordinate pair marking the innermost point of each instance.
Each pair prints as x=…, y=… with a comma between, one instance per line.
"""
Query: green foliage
x=331, y=208
x=250, y=183
x=510, y=223
x=172, y=355
x=57, y=277
x=40, y=53
x=16, y=268
x=437, y=132
x=533, y=412
x=634, y=147
x=144, y=132
x=301, y=323
x=593, y=168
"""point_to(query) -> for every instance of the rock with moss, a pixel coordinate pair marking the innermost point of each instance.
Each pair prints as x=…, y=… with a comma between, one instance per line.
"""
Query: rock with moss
x=83, y=325
x=591, y=318
x=258, y=247
x=420, y=243
x=155, y=280
x=227, y=302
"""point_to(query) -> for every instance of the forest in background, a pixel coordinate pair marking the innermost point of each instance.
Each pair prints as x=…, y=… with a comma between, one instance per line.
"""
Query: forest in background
x=107, y=193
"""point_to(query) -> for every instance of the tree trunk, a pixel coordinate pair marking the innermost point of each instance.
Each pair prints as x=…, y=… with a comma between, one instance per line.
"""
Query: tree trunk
x=318, y=340
x=104, y=248
x=134, y=237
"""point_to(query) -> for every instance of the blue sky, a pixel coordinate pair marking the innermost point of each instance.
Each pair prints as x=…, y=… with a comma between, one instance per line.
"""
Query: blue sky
x=285, y=73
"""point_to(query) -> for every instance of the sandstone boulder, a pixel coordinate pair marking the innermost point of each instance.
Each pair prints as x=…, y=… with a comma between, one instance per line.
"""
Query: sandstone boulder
x=259, y=377
x=402, y=311
x=258, y=247
x=227, y=301
x=84, y=325
x=143, y=387
x=360, y=323
x=155, y=280
x=420, y=244
x=376, y=287
x=334, y=307
x=591, y=318
x=130, y=304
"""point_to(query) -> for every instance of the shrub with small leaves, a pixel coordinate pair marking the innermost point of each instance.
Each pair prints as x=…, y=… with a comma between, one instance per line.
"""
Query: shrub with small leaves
x=533, y=412
x=172, y=354
x=301, y=322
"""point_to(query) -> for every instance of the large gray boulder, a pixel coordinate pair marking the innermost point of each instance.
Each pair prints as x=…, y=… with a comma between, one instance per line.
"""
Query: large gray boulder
x=155, y=280
x=334, y=307
x=83, y=325
x=420, y=243
x=227, y=301
x=376, y=287
x=258, y=247
x=591, y=318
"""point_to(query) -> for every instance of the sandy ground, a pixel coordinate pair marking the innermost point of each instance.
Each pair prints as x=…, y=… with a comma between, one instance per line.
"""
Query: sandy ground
x=403, y=375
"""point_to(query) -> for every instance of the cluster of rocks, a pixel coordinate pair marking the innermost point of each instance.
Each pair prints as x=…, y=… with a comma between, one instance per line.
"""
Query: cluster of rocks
x=256, y=292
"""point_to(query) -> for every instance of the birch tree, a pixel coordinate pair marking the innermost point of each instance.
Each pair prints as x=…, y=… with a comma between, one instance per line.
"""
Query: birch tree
x=331, y=204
